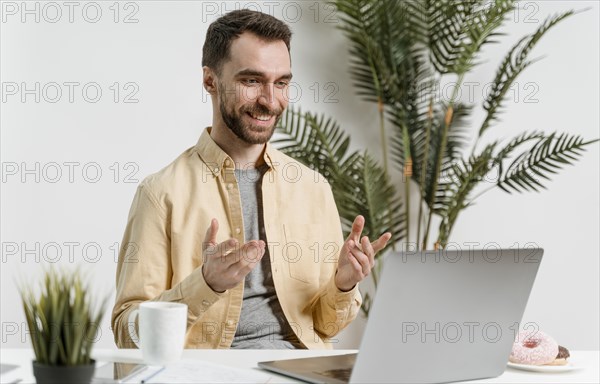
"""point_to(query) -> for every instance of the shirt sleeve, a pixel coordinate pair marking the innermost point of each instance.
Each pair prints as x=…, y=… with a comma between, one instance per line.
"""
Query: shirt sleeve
x=144, y=271
x=333, y=309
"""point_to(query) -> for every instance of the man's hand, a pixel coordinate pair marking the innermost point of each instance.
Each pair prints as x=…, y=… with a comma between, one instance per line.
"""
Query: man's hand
x=226, y=265
x=357, y=256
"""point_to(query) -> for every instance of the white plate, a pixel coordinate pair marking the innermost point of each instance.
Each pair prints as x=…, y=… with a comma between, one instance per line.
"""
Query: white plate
x=545, y=368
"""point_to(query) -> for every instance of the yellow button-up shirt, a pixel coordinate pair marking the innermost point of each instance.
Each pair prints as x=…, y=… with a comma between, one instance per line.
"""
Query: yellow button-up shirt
x=161, y=252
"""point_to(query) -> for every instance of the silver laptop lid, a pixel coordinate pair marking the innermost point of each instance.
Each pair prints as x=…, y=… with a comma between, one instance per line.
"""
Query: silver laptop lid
x=445, y=315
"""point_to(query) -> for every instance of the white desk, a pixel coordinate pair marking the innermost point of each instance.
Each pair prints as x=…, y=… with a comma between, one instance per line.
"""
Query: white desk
x=248, y=359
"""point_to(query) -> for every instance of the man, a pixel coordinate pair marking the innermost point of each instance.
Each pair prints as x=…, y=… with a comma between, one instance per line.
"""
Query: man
x=247, y=237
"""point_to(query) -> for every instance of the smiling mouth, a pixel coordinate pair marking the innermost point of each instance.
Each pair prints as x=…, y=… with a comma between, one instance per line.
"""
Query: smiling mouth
x=263, y=118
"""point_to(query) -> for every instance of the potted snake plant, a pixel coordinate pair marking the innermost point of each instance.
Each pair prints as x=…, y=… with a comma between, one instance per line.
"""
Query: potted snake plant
x=63, y=323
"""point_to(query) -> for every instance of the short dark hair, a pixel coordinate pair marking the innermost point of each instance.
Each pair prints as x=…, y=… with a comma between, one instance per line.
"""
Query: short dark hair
x=230, y=26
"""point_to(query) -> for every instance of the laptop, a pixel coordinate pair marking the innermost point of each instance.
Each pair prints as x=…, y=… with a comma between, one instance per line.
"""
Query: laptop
x=438, y=316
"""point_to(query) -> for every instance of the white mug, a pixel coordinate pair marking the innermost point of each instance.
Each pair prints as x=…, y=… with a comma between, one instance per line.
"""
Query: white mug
x=162, y=328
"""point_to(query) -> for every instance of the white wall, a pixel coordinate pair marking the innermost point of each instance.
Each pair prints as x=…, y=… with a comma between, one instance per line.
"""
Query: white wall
x=160, y=56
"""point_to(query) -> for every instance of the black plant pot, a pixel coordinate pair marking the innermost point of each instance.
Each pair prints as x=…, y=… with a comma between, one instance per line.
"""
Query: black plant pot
x=63, y=374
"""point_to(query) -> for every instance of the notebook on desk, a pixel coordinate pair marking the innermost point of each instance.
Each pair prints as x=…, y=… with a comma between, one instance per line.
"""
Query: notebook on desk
x=438, y=316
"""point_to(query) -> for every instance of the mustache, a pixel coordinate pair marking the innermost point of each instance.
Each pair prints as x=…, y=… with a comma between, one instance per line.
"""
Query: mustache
x=262, y=110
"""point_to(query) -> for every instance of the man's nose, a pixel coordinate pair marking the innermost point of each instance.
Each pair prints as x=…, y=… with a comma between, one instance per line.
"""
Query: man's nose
x=267, y=96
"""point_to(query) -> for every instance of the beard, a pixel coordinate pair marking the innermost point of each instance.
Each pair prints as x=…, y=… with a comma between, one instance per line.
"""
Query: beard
x=247, y=132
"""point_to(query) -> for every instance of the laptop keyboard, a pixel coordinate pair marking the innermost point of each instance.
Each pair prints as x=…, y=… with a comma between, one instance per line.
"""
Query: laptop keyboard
x=339, y=374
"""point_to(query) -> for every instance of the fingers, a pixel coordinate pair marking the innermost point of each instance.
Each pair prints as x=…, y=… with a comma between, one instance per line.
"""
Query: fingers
x=229, y=252
x=214, y=252
x=380, y=243
x=357, y=227
x=251, y=255
x=364, y=254
x=243, y=260
x=210, y=239
x=226, y=264
x=355, y=263
x=226, y=247
x=368, y=250
x=360, y=257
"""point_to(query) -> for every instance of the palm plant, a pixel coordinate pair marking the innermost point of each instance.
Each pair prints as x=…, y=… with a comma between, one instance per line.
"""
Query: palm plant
x=400, y=53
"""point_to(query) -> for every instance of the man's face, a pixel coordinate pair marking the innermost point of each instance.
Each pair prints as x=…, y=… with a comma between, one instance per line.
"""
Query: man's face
x=253, y=86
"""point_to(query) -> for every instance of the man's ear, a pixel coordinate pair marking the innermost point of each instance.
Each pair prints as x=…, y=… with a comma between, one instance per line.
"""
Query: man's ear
x=209, y=80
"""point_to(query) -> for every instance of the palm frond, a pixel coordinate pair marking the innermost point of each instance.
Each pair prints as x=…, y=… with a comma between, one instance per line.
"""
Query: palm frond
x=316, y=141
x=372, y=195
x=447, y=24
x=368, y=25
x=358, y=183
x=531, y=169
x=480, y=30
x=458, y=30
x=458, y=133
x=513, y=64
x=417, y=129
x=512, y=146
x=386, y=62
x=462, y=178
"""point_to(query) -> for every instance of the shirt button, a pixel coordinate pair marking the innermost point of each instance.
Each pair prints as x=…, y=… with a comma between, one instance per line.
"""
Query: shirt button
x=216, y=170
x=230, y=322
x=227, y=162
x=205, y=303
x=229, y=186
x=238, y=231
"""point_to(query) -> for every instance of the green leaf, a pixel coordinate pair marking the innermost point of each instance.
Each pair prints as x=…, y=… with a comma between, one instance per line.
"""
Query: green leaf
x=58, y=318
x=369, y=193
x=480, y=28
x=458, y=30
x=382, y=36
x=462, y=178
x=530, y=170
x=357, y=182
x=513, y=64
x=417, y=129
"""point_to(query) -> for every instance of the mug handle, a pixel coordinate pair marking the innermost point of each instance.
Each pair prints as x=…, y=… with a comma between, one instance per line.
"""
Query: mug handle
x=131, y=320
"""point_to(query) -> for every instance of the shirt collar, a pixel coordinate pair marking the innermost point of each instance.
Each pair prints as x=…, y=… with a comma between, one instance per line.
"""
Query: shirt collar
x=216, y=159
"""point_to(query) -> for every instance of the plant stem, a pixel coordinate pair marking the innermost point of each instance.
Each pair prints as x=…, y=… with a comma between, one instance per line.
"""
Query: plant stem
x=380, y=107
x=424, y=165
x=407, y=174
x=440, y=154
x=475, y=145
x=381, y=110
x=407, y=193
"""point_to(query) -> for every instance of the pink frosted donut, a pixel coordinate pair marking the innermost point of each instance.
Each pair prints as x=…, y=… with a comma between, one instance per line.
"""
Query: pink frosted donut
x=535, y=348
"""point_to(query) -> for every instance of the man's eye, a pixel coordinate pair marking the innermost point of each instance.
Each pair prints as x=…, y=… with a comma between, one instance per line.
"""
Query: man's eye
x=282, y=84
x=251, y=81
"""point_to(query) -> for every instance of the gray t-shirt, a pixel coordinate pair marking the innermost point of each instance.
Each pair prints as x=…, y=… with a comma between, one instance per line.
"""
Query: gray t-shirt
x=262, y=322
